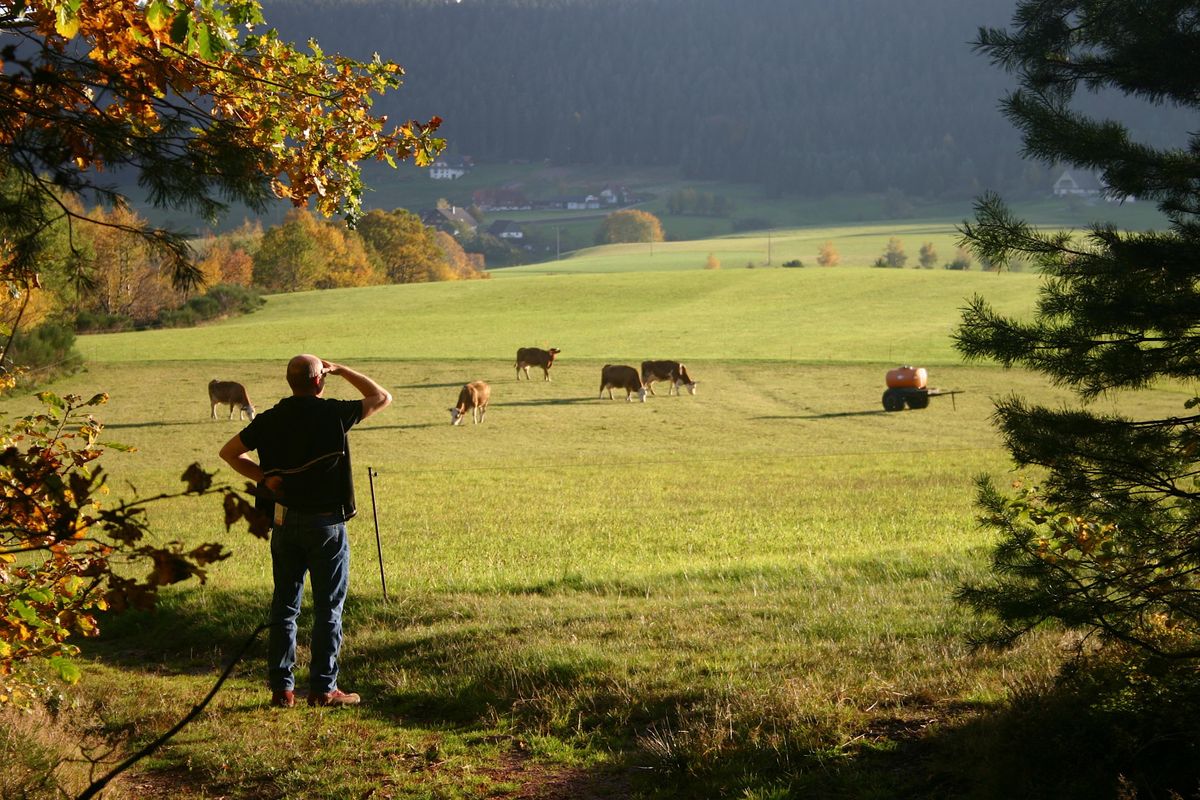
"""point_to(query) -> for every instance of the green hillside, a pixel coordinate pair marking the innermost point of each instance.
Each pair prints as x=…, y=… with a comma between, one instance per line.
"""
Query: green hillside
x=807, y=315
x=858, y=246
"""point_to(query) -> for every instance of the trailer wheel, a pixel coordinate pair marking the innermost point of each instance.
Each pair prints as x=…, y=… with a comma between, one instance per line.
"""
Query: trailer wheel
x=917, y=400
x=893, y=400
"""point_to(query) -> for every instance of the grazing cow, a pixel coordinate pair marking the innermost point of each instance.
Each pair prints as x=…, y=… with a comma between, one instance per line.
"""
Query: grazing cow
x=620, y=376
x=671, y=371
x=232, y=393
x=535, y=357
x=474, y=398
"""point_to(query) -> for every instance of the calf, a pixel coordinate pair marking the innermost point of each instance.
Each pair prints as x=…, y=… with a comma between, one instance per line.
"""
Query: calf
x=620, y=376
x=232, y=393
x=671, y=371
x=474, y=398
x=535, y=357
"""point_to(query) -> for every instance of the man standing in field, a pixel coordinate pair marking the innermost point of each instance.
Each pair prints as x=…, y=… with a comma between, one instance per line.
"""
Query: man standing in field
x=304, y=462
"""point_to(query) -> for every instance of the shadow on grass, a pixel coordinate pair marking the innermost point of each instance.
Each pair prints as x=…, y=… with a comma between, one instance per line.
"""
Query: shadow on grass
x=450, y=669
x=833, y=415
x=176, y=423
x=547, y=401
x=415, y=386
x=415, y=426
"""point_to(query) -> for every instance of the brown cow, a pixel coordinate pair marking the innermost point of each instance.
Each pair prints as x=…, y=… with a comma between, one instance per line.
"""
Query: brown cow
x=535, y=357
x=671, y=371
x=474, y=398
x=621, y=377
x=232, y=393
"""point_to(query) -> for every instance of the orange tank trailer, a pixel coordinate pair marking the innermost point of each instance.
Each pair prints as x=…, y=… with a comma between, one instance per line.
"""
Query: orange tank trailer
x=909, y=386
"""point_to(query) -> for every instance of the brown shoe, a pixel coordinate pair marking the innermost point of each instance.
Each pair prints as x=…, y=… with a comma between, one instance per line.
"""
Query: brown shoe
x=283, y=698
x=335, y=698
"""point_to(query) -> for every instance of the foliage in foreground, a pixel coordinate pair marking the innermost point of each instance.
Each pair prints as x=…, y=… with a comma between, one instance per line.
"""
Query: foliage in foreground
x=201, y=102
x=1110, y=540
x=65, y=556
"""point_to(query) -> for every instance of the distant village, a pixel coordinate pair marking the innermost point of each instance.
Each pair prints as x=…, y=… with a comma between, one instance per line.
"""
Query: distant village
x=1071, y=183
x=499, y=199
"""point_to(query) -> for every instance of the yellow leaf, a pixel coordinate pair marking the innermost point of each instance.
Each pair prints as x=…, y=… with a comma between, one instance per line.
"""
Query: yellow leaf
x=67, y=23
x=157, y=16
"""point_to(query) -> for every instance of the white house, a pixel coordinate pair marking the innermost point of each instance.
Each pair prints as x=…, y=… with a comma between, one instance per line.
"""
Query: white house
x=506, y=229
x=614, y=195
x=1081, y=183
x=591, y=201
x=449, y=168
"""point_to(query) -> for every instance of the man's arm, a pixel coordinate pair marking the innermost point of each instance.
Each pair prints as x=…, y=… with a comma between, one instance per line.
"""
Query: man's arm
x=375, y=397
x=234, y=454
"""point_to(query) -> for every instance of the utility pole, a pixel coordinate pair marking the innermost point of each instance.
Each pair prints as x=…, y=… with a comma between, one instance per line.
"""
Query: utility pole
x=557, y=245
x=768, y=247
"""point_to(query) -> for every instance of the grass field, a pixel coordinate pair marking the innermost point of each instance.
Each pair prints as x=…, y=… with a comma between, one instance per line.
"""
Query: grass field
x=808, y=315
x=857, y=245
x=745, y=593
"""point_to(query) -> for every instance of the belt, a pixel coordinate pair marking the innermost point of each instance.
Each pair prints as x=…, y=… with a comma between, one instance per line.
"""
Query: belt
x=295, y=516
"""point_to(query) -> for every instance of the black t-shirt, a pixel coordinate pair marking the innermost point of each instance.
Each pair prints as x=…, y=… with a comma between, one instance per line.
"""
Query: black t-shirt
x=303, y=440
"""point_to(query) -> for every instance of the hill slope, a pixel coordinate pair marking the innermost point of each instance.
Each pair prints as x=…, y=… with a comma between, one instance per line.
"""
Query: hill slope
x=805, y=315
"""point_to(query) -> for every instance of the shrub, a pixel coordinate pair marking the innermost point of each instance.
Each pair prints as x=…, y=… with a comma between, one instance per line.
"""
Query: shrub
x=712, y=262
x=205, y=307
x=828, y=255
x=234, y=299
x=222, y=300
x=178, y=317
x=44, y=351
x=795, y=262
x=101, y=322
x=961, y=260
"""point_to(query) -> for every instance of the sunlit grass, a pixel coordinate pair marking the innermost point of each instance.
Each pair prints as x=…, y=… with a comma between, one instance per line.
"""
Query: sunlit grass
x=805, y=315
x=727, y=586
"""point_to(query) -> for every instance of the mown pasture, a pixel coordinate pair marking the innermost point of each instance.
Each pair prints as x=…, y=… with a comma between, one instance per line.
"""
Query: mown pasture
x=856, y=245
x=805, y=315
x=745, y=593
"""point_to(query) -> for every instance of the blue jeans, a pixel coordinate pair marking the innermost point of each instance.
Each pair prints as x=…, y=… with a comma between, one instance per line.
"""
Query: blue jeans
x=300, y=545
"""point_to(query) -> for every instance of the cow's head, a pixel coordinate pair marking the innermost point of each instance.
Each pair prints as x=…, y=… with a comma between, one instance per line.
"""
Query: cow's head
x=456, y=416
x=691, y=385
x=641, y=394
x=250, y=411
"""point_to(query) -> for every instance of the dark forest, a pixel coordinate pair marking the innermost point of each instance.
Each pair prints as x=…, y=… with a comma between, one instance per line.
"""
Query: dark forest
x=801, y=96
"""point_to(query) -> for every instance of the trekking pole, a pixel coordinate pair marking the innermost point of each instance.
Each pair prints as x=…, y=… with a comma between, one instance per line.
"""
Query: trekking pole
x=371, y=473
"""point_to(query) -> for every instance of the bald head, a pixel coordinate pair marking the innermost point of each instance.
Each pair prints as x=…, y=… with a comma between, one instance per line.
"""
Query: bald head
x=304, y=373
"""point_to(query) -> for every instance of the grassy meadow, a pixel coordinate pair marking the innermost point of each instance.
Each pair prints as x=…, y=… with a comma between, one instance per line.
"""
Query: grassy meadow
x=743, y=593
x=806, y=315
x=858, y=246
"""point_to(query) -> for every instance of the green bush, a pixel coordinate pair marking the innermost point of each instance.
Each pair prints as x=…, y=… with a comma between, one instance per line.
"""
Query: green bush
x=234, y=299
x=222, y=300
x=185, y=317
x=101, y=322
x=204, y=306
x=44, y=351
